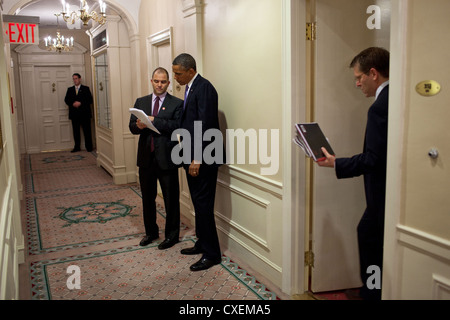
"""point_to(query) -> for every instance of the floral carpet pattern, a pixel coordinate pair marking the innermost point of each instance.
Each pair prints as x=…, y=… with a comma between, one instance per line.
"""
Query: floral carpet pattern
x=83, y=233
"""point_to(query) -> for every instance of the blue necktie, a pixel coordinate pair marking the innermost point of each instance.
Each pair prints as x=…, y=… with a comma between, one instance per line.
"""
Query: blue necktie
x=185, y=96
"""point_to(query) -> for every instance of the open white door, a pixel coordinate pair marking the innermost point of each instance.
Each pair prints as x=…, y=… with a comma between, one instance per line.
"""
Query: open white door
x=341, y=110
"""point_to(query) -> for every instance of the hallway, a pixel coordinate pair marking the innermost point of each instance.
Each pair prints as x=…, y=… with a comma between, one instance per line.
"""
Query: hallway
x=74, y=215
x=270, y=75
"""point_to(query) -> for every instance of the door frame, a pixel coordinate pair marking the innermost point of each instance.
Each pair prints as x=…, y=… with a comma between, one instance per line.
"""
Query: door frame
x=296, y=219
x=294, y=278
x=28, y=58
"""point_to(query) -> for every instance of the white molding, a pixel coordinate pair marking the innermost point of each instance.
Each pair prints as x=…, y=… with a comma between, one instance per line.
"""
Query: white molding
x=441, y=287
x=40, y=50
x=161, y=37
x=258, y=181
x=244, y=194
x=396, y=145
x=251, y=250
x=10, y=252
x=191, y=7
x=154, y=41
x=427, y=243
x=247, y=233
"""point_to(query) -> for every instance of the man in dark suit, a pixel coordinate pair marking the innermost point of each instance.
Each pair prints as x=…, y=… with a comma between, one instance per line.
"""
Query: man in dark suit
x=79, y=100
x=154, y=159
x=371, y=70
x=201, y=107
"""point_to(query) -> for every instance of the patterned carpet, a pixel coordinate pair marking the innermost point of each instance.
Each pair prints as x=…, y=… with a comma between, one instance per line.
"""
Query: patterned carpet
x=83, y=233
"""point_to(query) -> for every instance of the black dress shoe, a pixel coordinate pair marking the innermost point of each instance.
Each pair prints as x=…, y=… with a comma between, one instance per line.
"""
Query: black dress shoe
x=191, y=251
x=204, y=263
x=75, y=150
x=146, y=240
x=167, y=243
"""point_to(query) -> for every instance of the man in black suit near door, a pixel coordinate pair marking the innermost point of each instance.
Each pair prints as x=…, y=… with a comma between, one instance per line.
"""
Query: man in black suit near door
x=201, y=107
x=154, y=158
x=79, y=100
x=371, y=71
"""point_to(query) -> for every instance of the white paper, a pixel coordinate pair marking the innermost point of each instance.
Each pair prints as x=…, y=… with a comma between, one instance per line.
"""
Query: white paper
x=144, y=118
x=300, y=143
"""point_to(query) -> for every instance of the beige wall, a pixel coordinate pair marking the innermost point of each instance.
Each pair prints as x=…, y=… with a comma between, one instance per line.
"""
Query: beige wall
x=243, y=59
x=154, y=17
x=11, y=238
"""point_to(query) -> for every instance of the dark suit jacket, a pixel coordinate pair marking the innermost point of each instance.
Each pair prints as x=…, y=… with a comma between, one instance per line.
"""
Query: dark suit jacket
x=202, y=104
x=372, y=162
x=166, y=122
x=85, y=97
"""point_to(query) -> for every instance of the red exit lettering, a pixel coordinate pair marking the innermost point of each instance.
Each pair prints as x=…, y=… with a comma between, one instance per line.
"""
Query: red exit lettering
x=26, y=33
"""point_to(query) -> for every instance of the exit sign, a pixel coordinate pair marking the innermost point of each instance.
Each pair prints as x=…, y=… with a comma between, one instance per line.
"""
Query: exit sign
x=21, y=29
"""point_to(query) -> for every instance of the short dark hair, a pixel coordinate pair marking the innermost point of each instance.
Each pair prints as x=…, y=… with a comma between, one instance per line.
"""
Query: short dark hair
x=373, y=57
x=77, y=75
x=161, y=70
x=186, y=61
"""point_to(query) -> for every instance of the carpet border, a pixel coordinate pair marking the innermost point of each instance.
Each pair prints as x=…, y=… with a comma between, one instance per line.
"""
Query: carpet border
x=249, y=281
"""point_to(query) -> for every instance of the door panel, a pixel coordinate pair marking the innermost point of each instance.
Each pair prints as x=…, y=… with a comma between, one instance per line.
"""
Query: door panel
x=53, y=114
x=341, y=110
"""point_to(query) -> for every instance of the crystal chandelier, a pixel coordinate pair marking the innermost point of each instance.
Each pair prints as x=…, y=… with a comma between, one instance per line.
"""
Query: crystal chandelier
x=84, y=15
x=59, y=43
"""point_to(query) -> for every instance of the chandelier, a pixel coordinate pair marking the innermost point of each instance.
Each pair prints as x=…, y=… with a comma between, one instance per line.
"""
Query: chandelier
x=84, y=15
x=59, y=43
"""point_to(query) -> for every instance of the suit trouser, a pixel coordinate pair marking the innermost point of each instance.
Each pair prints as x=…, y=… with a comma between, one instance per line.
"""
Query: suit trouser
x=370, y=243
x=85, y=123
x=168, y=180
x=203, y=193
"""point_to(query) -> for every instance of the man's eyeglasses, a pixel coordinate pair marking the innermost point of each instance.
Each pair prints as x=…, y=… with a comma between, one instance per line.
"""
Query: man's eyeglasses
x=358, y=78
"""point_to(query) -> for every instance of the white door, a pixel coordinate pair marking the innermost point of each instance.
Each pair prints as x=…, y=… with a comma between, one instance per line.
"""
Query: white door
x=417, y=236
x=55, y=128
x=341, y=110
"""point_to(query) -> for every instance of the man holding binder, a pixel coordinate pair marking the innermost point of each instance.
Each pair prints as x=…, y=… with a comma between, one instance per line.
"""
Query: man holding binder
x=371, y=70
x=154, y=158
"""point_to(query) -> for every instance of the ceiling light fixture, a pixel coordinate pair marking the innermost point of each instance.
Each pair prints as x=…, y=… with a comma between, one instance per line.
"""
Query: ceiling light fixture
x=84, y=15
x=59, y=43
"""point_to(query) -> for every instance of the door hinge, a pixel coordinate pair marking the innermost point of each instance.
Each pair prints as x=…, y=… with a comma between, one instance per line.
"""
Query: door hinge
x=309, y=259
x=311, y=31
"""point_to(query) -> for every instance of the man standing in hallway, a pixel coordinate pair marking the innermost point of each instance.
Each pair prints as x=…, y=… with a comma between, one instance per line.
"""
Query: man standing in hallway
x=79, y=100
x=371, y=70
x=154, y=159
x=201, y=106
